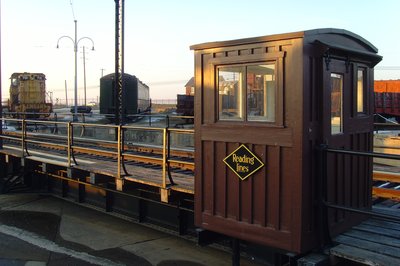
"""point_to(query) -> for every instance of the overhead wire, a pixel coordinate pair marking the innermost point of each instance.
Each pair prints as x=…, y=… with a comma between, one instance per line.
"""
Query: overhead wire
x=72, y=9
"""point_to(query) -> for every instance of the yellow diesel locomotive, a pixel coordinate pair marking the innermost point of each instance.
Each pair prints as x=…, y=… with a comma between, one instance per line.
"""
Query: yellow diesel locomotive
x=28, y=95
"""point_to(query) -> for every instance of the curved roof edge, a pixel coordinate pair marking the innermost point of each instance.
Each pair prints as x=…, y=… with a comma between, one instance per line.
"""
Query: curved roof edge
x=283, y=36
x=341, y=32
x=112, y=75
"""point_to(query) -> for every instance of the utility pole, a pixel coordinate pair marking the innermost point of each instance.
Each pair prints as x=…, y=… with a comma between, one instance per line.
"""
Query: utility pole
x=102, y=72
x=75, y=41
x=119, y=60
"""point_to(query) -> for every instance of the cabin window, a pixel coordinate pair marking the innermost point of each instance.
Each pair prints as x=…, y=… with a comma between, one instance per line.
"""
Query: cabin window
x=360, y=91
x=336, y=103
x=230, y=83
x=247, y=93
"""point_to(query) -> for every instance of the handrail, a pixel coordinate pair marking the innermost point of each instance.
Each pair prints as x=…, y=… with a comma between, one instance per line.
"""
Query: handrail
x=323, y=150
x=119, y=152
x=363, y=153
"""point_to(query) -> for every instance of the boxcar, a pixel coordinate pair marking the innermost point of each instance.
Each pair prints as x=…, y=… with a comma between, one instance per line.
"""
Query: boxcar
x=387, y=98
x=136, y=98
x=185, y=105
x=28, y=94
x=263, y=105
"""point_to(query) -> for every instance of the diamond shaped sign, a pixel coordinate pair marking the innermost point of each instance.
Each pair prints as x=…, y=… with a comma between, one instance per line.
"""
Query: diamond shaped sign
x=243, y=162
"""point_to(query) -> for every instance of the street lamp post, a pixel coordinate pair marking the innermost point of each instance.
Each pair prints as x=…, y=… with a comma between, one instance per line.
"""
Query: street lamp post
x=76, y=42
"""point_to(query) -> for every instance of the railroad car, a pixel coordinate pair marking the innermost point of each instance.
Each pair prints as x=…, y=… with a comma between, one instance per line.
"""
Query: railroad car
x=387, y=98
x=28, y=94
x=185, y=105
x=266, y=109
x=135, y=101
x=263, y=106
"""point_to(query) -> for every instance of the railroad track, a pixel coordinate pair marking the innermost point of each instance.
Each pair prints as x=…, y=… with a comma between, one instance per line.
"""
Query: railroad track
x=178, y=158
x=386, y=185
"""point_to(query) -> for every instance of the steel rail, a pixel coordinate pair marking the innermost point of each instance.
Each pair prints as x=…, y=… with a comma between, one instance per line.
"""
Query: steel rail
x=46, y=144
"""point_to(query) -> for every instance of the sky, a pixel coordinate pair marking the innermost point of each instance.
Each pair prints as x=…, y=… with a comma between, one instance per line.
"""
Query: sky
x=158, y=34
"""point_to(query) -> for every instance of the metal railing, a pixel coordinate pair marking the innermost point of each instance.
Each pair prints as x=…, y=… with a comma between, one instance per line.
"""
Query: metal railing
x=323, y=150
x=65, y=133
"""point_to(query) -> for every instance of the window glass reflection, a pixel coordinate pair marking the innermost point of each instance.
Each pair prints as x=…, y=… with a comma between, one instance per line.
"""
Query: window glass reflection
x=360, y=91
x=261, y=93
x=336, y=103
x=230, y=80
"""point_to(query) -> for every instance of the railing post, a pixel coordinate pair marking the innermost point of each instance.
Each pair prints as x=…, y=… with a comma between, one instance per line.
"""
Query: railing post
x=164, y=190
x=69, y=143
x=119, y=181
x=164, y=161
x=23, y=135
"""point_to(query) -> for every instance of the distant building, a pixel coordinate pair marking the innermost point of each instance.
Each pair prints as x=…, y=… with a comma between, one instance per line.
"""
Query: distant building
x=190, y=87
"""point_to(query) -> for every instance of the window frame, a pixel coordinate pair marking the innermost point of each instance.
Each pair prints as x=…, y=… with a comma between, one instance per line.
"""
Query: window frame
x=365, y=111
x=275, y=58
x=337, y=129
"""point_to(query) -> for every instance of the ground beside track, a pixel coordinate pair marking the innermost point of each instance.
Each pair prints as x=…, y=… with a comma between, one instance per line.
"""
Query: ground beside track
x=43, y=230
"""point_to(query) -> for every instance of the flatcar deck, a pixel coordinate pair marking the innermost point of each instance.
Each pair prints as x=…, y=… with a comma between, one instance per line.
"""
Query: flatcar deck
x=136, y=172
x=373, y=242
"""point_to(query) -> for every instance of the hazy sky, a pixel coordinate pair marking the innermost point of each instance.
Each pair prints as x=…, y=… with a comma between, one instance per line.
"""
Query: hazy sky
x=158, y=34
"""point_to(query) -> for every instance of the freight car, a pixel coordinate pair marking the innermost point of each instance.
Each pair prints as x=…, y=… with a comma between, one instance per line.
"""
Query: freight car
x=136, y=98
x=185, y=105
x=28, y=95
x=387, y=98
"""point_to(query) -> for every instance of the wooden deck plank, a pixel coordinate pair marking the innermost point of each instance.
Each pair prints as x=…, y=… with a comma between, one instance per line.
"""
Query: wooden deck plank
x=374, y=237
x=370, y=246
x=141, y=173
x=363, y=256
x=378, y=230
x=383, y=224
x=385, y=210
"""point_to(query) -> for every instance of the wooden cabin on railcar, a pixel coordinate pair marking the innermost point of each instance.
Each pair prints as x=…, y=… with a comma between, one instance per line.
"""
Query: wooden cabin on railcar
x=263, y=105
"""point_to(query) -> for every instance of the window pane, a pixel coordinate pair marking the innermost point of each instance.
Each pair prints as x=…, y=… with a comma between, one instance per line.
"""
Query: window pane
x=261, y=93
x=230, y=80
x=360, y=91
x=336, y=103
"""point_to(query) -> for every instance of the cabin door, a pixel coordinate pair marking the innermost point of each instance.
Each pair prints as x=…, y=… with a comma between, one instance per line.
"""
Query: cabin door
x=347, y=124
x=336, y=103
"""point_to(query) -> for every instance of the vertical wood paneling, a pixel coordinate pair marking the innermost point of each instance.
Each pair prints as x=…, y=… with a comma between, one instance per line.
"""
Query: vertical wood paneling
x=246, y=195
x=220, y=179
x=208, y=91
x=331, y=169
x=260, y=187
x=208, y=177
x=355, y=180
x=289, y=168
x=233, y=193
x=274, y=187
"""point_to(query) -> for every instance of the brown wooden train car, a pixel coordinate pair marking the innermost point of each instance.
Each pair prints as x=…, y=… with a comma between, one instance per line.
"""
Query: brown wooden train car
x=263, y=105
